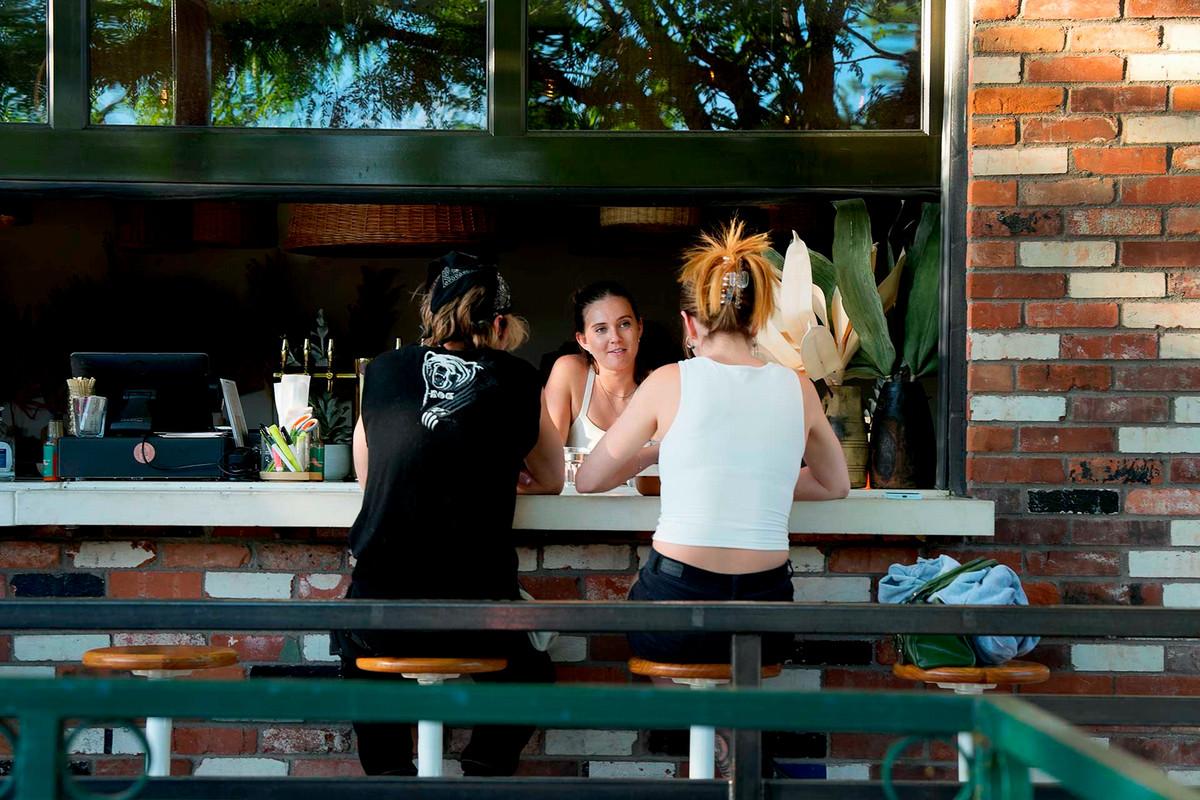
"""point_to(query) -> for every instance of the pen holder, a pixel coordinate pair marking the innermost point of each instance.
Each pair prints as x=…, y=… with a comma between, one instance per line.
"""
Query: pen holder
x=284, y=462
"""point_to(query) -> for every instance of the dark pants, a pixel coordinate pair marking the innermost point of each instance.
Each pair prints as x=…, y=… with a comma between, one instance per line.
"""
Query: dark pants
x=665, y=578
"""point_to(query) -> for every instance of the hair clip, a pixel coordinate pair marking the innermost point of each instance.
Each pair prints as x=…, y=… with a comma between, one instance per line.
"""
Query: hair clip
x=732, y=284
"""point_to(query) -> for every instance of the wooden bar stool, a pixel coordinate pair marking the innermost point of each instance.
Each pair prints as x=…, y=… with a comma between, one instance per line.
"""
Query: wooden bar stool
x=974, y=681
x=701, y=763
x=430, y=672
x=159, y=662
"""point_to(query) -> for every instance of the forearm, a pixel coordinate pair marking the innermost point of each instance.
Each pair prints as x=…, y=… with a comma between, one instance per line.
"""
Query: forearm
x=810, y=487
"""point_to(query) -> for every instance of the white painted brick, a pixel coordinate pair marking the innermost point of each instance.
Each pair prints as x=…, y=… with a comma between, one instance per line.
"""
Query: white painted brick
x=643, y=553
x=566, y=649
x=127, y=639
x=1118, y=657
x=526, y=559
x=1164, y=564
x=806, y=559
x=89, y=741
x=1163, y=67
x=1185, y=533
x=1018, y=346
x=586, y=556
x=112, y=555
x=1117, y=284
x=1175, y=439
x=1017, y=408
x=1019, y=161
x=1181, y=595
x=1179, y=345
x=831, y=590
x=1079, y=253
x=1188, y=777
x=324, y=581
x=315, y=647
x=250, y=767
x=56, y=646
x=1178, y=36
x=996, y=69
x=631, y=769
x=795, y=680
x=590, y=742
x=249, y=585
x=1160, y=315
x=25, y=671
x=1187, y=409
x=125, y=743
x=1174, y=128
x=848, y=772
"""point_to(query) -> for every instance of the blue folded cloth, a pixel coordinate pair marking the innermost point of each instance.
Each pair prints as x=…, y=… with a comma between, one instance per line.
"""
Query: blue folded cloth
x=994, y=586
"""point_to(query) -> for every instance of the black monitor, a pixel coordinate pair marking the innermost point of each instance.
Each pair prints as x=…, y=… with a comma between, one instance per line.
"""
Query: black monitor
x=150, y=392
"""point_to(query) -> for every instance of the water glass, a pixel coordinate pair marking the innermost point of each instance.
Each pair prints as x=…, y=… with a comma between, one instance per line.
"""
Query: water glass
x=88, y=414
x=573, y=456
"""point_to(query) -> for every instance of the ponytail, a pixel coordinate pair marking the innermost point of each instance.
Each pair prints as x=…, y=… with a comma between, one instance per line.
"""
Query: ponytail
x=727, y=282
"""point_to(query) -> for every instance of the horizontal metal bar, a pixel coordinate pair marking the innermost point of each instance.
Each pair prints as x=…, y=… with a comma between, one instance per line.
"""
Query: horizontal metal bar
x=582, y=616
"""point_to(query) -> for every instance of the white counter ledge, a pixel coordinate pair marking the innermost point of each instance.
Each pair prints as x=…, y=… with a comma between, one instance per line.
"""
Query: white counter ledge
x=334, y=505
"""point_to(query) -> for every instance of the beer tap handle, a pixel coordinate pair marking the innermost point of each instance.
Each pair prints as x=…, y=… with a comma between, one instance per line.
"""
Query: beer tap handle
x=329, y=365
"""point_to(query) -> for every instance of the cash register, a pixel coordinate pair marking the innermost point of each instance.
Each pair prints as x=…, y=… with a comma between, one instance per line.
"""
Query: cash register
x=159, y=422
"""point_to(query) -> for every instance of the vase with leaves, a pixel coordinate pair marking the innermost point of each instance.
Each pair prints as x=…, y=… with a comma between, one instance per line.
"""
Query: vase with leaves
x=333, y=417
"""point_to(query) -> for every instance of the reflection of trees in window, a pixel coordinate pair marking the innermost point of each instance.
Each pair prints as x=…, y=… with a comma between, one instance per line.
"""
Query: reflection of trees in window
x=724, y=64
x=290, y=63
x=22, y=61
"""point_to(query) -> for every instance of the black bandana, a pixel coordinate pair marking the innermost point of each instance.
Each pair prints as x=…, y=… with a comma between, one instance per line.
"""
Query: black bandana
x=454, y=274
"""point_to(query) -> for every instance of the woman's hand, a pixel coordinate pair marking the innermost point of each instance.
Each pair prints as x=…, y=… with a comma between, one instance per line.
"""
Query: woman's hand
x=825, y=477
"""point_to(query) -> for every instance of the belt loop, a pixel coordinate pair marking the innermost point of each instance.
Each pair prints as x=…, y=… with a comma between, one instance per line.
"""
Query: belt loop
x=791, y=569
x=653, y=560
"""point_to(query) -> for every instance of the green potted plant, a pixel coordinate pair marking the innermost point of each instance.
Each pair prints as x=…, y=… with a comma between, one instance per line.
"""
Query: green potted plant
x=333, y=417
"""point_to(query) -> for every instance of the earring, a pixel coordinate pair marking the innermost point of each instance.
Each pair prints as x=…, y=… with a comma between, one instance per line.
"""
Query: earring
x=689, y=344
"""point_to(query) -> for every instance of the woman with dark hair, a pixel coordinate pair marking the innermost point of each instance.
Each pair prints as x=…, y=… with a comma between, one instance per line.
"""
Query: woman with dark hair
x=446, y=427
x=587, y=392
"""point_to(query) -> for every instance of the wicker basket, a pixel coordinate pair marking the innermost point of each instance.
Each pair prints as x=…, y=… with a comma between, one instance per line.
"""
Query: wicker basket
x=649, y=218
x=318, y=225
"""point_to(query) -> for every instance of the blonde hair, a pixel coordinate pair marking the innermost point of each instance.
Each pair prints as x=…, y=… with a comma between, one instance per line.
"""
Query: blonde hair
x=702, y=281
x=457, y=321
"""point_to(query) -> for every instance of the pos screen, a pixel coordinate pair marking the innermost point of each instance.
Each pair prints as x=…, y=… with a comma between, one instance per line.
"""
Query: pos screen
x=151, y=392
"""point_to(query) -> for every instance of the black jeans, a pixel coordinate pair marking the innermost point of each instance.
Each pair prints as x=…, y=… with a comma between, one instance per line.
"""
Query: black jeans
x=665, y=578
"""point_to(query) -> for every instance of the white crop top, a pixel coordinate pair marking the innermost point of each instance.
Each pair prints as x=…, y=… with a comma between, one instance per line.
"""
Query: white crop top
x=583, y=432
x=730, y=460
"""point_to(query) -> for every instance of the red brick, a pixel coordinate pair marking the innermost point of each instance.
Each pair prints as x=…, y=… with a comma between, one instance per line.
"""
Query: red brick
x=207, y=555
x=989, y=440
x=1063, y=377
x=1066, y=440
x=1020, y=39
x=252, y=647
x=1161, y=750
x=28, y=555
x=564, y=673
x=234, y=672
x=1014, y=470
x=238, y=532
x=1162, y=8
x=1072, y=9
x=1160, y=254
x=871, y=746
x=1185, y=98
x=1115, y=470
x=326, y=767
x=1112, y=594
x=5, y=648
x=1071, y=683
x=1041, y=594
x=992, y=193
x=869, y=560
x=1070, y=192
x=1118, y=98
x=1077, y=129
x=1015, y=285
x=991, y=254
x=1185, y=470
x=199, y=741
x=993, y=316
x=1186, y=158
x=863, y=679
x=551, y=587
x=607, y=587
x=1162, y=685
x=1032, y=530
x=1072, y=562
x=1183, y=221
x=989, y=378
x=1109, y=345
x=557, y=769
x=1071, y=315
x=1114, y=408
x=1114, y=221
x=1120, y=532
x=1163, y=502
x=1009, y=558
x=1008, y=500
x=1165, y=190
x=996, y=9
x=128, y=766
x=1015, y=222
x=1017, y=100
x=993, y=131
x=306, y=590
x=1122, y=38
x=1157, y=377
x=3, y=587
x=1121, y=160
x=1184, y=284
x=1056, y=69
x=608, y=648
x=296, y=739
x=156, y=585
x=299, y=557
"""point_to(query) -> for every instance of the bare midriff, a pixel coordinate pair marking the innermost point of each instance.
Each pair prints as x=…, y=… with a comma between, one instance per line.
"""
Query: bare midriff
x=725, y=560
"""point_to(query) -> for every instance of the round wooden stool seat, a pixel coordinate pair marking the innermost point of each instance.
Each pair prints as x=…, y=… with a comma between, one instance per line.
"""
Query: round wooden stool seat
x=710, y=672
x=159, y=657
x=1010, y=674
x=431, y=666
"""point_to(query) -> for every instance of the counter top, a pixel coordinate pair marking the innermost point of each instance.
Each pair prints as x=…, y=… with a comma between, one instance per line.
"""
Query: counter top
x=335, y=505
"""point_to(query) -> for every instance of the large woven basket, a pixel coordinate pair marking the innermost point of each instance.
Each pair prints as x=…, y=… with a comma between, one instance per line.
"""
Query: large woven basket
x=649, y=218
x=319, y=225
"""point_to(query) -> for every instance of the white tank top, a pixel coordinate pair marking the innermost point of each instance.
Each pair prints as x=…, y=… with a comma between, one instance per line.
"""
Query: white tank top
x=583, y=432
x=730, y=460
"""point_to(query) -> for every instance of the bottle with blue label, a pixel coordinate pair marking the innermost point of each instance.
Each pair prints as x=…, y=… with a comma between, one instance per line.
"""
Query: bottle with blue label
x=7, y=454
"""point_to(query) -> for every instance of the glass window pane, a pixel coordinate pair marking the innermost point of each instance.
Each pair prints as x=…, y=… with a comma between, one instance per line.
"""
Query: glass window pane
x=23, y=61
x=396, y=64
x=724, y=65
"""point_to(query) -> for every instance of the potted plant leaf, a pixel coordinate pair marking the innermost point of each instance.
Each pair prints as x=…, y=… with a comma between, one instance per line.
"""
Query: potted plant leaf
x=333, y=417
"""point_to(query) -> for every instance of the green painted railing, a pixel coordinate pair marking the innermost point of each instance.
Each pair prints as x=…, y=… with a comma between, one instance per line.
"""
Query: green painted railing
x=1011, y=735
